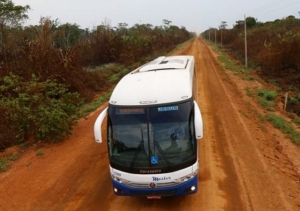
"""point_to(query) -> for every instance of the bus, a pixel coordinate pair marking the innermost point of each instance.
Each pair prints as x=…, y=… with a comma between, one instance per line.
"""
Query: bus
x=153, y=124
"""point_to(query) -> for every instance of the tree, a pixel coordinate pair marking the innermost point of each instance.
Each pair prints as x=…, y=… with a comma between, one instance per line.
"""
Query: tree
x=70, y=35
x=166, y=23
x=250, y=22
x=10, y=16
x=239, y=24
x=122, y=28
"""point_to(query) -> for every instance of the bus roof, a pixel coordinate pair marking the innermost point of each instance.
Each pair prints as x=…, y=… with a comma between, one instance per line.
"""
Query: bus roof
x=163, y=80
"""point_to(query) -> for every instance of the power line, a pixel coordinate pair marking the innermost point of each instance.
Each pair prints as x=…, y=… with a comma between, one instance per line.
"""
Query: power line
x=268, y=5
x=280, y=8
x=265, y=9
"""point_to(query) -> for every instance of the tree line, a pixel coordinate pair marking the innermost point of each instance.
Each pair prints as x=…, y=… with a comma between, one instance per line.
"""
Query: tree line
x=43, y=68
x=272, y=47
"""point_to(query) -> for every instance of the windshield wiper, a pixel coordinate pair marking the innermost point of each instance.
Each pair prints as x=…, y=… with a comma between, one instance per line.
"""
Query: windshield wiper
x=137, y=152
x=141, y=147
x=162, y=154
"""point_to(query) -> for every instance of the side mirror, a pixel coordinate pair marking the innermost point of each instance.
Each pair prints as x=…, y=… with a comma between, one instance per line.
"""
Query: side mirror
x=98, y=125
x=198, y=121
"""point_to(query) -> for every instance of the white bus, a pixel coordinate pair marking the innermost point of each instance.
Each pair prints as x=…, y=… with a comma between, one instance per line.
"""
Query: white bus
x=153, y=123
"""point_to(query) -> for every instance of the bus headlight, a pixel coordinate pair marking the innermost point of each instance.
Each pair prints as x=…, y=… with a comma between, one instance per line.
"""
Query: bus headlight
x=187, y=177
x=120, y=180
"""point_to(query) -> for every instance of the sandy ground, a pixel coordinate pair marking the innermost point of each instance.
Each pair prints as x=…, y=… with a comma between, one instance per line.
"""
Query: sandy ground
x=245, y=164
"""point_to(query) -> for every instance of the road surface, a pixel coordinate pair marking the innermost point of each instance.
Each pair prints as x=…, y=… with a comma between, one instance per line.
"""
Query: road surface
x=245, y=164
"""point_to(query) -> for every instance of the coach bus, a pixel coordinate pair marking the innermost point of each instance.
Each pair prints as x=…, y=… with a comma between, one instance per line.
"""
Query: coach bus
x=153, y=124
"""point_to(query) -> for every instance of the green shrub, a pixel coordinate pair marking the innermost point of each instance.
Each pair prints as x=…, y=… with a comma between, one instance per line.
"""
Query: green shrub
x=266, y=98
x=266, y=94
x=45, y=110
x=295, y=100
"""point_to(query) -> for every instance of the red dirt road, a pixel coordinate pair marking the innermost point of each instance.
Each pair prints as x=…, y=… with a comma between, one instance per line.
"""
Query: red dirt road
x=245, y=164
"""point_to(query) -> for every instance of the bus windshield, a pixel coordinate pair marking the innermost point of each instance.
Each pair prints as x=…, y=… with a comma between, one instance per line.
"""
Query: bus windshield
x=145, y=138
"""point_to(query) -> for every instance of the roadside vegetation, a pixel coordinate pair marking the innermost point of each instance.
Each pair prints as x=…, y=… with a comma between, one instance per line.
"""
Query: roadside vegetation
x=273, y=51
x=264, y=97
x=285, y=127
x=273, y=47
x=51, y=74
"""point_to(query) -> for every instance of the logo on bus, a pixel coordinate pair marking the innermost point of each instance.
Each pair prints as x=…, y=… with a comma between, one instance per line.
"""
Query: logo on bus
x=152, y=185
x=156, y=179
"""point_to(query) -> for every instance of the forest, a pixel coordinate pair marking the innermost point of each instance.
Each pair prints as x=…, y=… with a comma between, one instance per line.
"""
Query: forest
x=273, y=48
x=48, y=71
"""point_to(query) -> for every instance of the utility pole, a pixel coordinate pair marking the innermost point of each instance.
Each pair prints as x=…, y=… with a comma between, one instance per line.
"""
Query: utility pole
x=222, y=26
x=246, y=56
x=221, y=38
x=215, y=36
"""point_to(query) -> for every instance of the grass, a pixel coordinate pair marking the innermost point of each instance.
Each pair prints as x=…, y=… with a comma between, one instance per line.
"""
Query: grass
x=40, y=153
x=178, y=47
x=5, y=162
x=285, y=127
x=266, y=99
x=90, y=107
x=296, y=120
x=268, y=105
x=248, y=92
x=229, y=63
x=114, y=78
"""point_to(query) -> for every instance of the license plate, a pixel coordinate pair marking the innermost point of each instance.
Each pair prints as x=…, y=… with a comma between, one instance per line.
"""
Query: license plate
x=153, y=197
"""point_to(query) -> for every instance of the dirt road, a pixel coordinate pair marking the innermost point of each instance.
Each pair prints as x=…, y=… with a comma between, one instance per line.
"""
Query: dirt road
x=245, y=164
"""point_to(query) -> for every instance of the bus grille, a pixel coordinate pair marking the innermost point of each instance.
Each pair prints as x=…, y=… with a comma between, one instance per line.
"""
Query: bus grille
x=146, y=185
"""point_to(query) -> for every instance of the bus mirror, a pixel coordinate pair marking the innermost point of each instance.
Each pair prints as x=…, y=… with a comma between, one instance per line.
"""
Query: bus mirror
x=198, y=121
x=97, y=126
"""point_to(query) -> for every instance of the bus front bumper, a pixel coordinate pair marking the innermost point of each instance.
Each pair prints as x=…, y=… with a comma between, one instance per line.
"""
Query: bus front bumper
x=185, y=188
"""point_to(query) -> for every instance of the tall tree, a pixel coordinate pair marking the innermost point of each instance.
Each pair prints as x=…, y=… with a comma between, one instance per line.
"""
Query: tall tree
x=70, y=35
x=11, y=16
x=250, y=22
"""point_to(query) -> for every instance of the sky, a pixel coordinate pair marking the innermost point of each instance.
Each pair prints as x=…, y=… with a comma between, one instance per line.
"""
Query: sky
x=195, y=15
